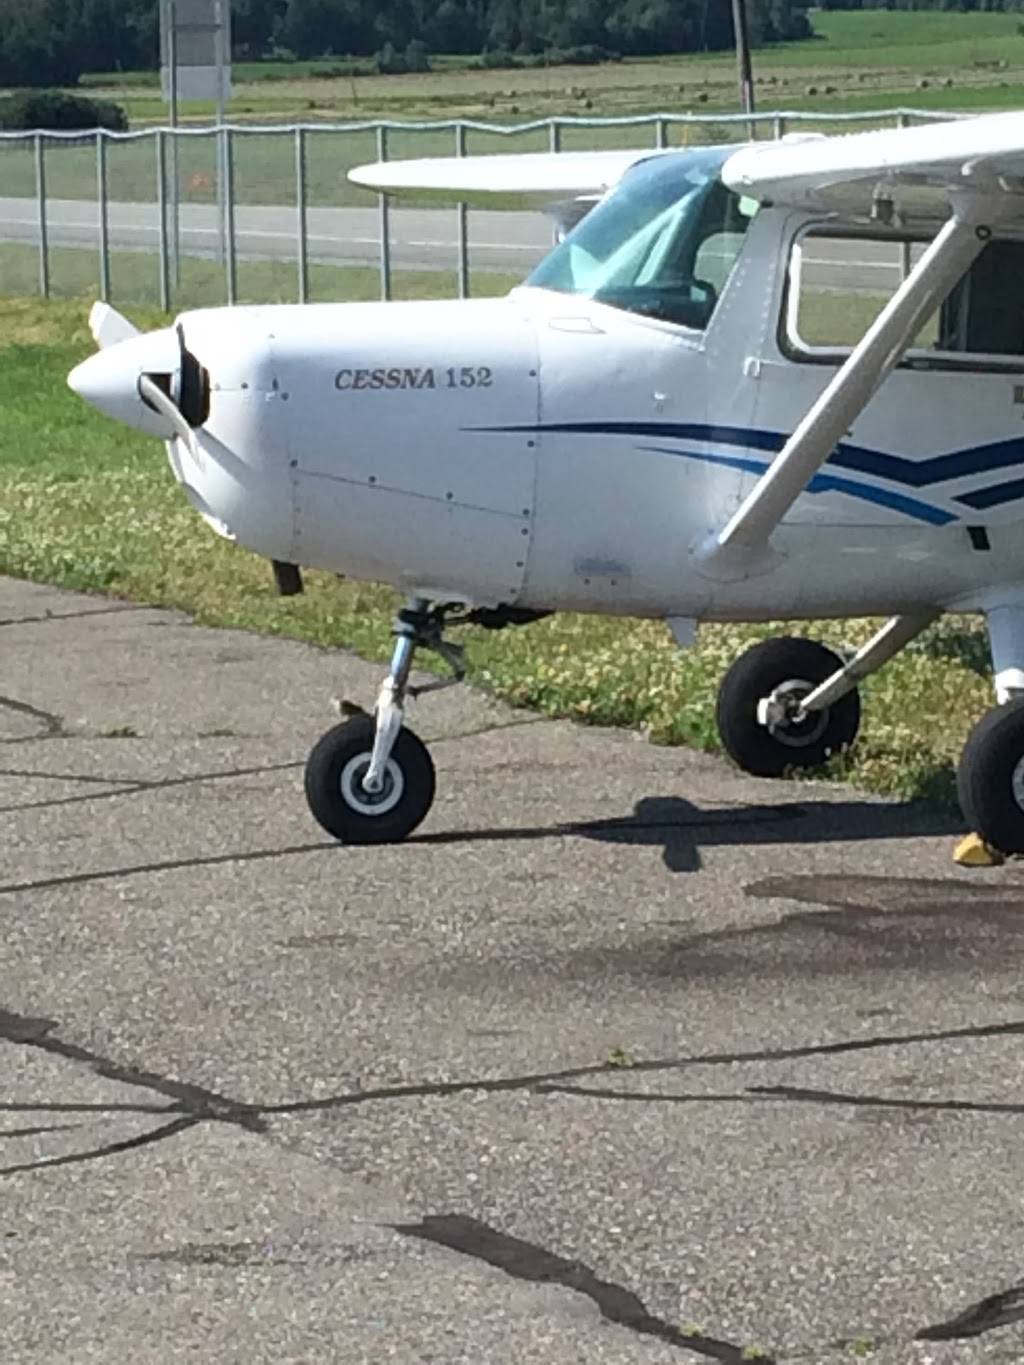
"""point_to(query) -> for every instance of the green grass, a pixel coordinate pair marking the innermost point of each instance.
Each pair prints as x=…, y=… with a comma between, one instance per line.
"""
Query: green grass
x=134, y=279
x=89, y=505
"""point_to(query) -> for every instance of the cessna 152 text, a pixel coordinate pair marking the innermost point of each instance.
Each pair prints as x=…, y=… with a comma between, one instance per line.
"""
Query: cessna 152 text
x=665, y=420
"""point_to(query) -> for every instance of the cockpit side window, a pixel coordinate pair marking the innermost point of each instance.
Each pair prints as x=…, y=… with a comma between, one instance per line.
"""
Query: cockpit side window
x=840, y=280
x=663, y=245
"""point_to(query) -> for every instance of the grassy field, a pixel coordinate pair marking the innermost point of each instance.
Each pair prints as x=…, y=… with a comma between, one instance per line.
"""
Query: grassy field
x=86, y=504
x=931, y=59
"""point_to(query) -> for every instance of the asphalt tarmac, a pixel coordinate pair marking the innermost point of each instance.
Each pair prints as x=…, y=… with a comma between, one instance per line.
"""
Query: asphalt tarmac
x=623, y=1058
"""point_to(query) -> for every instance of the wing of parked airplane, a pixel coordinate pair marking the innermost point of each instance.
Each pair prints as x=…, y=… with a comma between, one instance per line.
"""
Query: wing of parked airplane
x=532, y=178
x=563, y=185
x=852, y=171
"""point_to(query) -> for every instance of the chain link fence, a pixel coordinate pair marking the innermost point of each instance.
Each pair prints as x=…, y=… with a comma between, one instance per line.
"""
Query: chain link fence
x=194, y=216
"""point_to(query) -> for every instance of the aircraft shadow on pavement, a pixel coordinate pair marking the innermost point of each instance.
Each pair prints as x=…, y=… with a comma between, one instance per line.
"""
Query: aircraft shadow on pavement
x=680, y=828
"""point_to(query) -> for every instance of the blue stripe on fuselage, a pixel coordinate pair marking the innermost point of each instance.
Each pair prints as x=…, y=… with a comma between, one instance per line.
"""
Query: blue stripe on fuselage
x=957, y=464
x=825, y=483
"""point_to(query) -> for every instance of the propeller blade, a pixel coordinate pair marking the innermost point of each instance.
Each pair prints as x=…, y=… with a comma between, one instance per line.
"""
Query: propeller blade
x=155, y=396
x=108, y=326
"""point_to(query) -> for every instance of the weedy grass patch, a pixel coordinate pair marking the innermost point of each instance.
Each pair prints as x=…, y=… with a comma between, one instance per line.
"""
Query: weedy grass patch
x=89, y=505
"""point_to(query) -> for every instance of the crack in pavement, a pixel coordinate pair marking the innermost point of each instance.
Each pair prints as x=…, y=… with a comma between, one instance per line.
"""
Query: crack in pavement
x=998, y=1310
x=37, y=1129
x=178, y=1125
x=122, y=609
x=527, y=1261
x=52, y=724
x=762, y=1094
x=191, y=1105
x=597, y=829
x=192, y=1102
x=167, y=865
x=130, y=786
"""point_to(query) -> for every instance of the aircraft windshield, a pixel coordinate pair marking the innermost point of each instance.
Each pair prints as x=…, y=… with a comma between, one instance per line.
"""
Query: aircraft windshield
x=662, y=244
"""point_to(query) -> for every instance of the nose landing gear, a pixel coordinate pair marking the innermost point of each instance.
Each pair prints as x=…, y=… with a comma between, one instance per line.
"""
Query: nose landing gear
x=370, y=780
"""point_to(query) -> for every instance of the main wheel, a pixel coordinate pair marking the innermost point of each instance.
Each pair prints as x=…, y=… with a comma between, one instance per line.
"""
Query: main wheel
x=334, y=785
x=791, y=668
x=990, y=778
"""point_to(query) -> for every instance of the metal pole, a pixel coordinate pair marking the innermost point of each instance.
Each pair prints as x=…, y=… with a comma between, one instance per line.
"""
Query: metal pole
x=301, y=194
x=462, y=221
x=385, y=221
x=44, y=253
x=172, y=71
x=660, y=133
x=906, y=264
x=101, y=203
x=739, y=20
x=224, y=172
x=228, y=162
x=555, y=145
x=161, y=199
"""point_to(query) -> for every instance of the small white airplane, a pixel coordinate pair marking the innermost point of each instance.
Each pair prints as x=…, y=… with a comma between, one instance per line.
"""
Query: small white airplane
x=668, y=419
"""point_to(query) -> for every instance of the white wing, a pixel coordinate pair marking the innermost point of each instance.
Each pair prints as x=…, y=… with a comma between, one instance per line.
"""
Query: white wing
x=845, y=172
x=534, y=178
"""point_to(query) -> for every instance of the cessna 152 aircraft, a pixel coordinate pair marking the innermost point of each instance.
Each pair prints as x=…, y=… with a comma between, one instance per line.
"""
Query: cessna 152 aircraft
x=668, y=419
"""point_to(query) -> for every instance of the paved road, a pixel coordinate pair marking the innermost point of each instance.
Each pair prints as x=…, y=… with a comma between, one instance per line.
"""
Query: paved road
x=420, y=238
x=268, y=1099
x=424, y=239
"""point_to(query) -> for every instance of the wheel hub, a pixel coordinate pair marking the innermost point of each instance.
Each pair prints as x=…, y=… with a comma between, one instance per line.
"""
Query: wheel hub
x=1017, y=783
x=359, y=798
x=781, y=715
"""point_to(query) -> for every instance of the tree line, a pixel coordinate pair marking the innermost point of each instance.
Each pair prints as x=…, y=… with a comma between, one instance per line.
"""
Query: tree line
x=53, y=42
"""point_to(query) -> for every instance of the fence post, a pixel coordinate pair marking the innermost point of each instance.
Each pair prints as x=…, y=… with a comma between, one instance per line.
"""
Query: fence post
x=101, y=204
x=554, y=135
x=301, y=193
x=385, y=221
x=230, y=261
x=463, y=220
x=161, y=200
x=44, y=251
x=660, y=134
x=778, y=127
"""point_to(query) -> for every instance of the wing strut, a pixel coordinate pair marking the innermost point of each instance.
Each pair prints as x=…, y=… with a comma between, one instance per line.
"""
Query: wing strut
x=745, y=536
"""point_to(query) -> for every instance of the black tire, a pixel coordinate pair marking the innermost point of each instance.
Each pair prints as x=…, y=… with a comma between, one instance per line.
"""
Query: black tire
x=335, y=768
x=990, y=779
x=768, y=752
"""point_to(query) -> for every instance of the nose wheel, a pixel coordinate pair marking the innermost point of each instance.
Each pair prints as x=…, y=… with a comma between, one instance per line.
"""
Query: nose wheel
x=370, y=780
x=339, y=799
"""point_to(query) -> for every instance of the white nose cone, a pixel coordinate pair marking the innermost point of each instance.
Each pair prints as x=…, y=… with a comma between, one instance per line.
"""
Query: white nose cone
x=109, y=380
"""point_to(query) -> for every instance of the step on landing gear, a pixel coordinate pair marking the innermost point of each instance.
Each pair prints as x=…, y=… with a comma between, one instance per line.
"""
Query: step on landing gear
x=370, y=780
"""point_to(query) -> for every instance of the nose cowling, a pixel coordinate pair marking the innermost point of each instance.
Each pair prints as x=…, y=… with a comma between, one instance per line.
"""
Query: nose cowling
x=109, y=380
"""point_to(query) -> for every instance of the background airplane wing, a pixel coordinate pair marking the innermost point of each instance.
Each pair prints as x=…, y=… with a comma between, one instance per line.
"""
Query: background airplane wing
x=534, y=179
x=921, y=164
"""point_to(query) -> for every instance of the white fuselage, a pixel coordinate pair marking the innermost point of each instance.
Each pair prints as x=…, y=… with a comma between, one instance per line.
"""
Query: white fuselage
x=551, y=452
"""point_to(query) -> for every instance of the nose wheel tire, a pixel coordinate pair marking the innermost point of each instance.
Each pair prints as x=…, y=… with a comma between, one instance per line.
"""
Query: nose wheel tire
x=788, y=669
x=990, y=778
x=341, y=804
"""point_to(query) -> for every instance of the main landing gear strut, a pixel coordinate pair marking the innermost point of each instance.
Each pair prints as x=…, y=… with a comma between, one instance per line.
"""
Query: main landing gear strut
x=370, y=780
